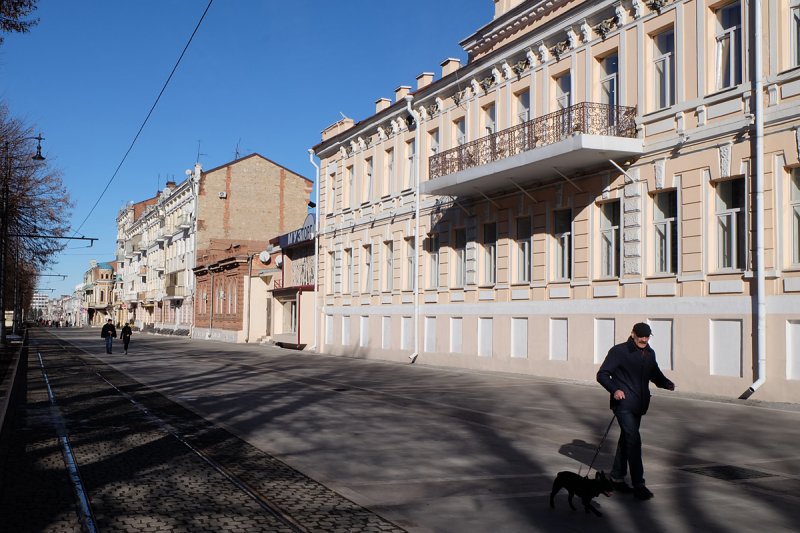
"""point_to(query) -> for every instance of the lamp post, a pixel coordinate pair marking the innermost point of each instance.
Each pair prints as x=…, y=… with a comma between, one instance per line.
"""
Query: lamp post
x=4, y=226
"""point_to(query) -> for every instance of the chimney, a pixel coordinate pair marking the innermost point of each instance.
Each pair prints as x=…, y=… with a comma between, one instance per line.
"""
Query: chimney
x=381, y=104
x=450, y=65
x=424, y=79
x=401, y=92
x=170, y=185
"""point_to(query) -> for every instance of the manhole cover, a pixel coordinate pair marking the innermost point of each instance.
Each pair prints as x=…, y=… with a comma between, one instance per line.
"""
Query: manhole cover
x=727, y=472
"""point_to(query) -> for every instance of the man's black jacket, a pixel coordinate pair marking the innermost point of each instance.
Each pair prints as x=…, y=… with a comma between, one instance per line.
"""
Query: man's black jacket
x=630, y=369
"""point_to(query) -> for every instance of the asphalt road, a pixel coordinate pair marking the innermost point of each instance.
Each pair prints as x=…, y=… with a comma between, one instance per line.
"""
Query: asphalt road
x=437, y=449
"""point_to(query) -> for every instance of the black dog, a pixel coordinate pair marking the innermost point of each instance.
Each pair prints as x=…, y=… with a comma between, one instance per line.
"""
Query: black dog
x=584, y=487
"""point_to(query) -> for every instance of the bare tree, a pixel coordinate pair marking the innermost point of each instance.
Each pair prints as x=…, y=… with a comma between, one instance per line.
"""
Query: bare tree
x=35, y=209
x=13, y=15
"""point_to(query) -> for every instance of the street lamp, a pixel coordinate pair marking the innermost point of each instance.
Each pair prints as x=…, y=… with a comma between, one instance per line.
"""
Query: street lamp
x=4, y=228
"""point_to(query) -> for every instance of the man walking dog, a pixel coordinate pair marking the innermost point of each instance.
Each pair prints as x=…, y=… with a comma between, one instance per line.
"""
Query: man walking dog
x=626, y=373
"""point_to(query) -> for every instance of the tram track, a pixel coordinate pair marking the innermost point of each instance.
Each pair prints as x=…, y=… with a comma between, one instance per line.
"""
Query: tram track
x=154, y=439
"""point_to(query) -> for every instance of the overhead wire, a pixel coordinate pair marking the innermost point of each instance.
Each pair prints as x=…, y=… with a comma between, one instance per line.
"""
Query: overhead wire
x=146, y=119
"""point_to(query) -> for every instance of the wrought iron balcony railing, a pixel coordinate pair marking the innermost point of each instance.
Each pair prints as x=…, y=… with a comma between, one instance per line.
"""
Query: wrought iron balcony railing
x=587, y=118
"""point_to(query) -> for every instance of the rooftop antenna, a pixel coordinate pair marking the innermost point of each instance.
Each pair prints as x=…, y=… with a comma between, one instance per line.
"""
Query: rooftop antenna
x=199, y=153
x=236, y=153
x=345, y=117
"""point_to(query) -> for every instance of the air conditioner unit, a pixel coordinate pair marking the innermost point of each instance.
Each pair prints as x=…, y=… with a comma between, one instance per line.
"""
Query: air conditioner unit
x=223, y=194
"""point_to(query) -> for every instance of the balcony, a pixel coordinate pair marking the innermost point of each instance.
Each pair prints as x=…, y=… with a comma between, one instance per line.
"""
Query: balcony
x=577, y=138
x=175, y=291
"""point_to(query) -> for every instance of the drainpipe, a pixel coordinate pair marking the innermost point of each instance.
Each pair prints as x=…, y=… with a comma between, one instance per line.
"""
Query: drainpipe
x=761, y=304
x=211, y=313
x=417, y=150
x=316, y=258
x=249, y=289
x=299, y=297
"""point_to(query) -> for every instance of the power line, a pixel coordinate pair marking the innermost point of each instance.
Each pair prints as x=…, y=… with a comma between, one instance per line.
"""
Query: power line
x=147, y=118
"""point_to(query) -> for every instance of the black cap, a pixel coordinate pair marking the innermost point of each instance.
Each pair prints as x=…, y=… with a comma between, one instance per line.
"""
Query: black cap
x=642, y=329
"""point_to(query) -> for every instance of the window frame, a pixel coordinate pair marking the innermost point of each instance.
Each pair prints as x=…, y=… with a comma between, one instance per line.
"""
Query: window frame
x=388, y=266
x=489, y=270
x=459, y=249
x=434, y=256
x=610, y=240
x=666, y=79
x=523, y=250
x=733, y=244
x=733, y=55
x=562, y=263
x=367, y=283
x=666, y=256
x=794, y=214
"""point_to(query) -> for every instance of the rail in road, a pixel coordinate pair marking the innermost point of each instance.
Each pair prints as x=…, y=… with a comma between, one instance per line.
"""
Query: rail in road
x=94, y=450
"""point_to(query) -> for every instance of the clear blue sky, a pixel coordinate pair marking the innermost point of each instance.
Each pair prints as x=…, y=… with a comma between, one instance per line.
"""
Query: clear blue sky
x=265, y=75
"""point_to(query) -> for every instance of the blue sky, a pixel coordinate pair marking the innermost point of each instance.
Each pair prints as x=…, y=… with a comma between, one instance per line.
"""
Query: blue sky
x=264, y=75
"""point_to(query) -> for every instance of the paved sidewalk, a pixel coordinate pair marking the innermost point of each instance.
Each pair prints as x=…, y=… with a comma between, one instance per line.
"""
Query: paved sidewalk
x=138, y=463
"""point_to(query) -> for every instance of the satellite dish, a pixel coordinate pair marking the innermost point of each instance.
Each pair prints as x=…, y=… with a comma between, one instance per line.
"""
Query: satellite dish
x=264, y=257
x=279, y=260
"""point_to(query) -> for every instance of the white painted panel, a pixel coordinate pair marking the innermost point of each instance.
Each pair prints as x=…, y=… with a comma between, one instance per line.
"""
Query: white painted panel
x=364, y=332
x=559, y=292
x=662, y=289
x=662, y=341
x=791, y=284
x=519, y=337
x=345, y=330
x=329, y=329
x=558, y=339
x=407, y=332
x=485, y=337
x=603, y=338
x=386, y=341
x=430, y=333
x=456, y=335
x=654, y=128
x=726, y=348
x=793, y=349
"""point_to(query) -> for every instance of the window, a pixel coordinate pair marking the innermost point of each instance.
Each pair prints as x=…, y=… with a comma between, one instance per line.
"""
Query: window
x=368, y=172
x=609, y=239
x=490, y=253
x=664, y=69
x=460, y=131
x=608, y=79
x=731, y=235
x=665, y=226
x=563, y=102
x=433, y=141
x=460, y=258
x=331, y=193
x=347, y=277
x=523, y=106
x=411, y=263
x=388, y=184
x=366, y=269
x=331, y=271
x=794, y=202
x=562, y=232
x=433, y=260
x=729, y=46
x=524, y=250
x=388, y=263
x=350, y=189
x=411, y=171
x=489, y=119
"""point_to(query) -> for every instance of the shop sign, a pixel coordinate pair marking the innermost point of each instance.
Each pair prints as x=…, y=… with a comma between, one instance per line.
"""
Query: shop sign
x=305, y=233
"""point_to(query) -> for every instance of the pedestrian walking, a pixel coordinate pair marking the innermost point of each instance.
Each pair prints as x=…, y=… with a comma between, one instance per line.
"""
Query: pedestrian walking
x=626, y=373
x=126, y=336
x=109, y=332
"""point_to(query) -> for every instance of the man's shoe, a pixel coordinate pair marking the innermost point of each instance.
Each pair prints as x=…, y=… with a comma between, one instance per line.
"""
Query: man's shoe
x=642, y=493
x=621, y=487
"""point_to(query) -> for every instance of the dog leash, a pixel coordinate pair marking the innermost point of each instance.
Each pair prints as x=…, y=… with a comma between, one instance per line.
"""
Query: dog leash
x=597, y=451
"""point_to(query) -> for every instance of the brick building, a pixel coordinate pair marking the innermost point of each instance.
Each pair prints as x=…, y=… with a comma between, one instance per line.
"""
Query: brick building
x=241, y=205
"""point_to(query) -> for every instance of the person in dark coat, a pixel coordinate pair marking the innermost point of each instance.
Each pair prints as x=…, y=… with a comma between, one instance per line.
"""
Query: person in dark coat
x=126, y=336
x=626, y=374
x=109, y=332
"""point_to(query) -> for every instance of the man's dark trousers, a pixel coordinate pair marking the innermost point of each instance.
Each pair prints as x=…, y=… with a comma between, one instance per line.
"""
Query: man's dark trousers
x=629, y=449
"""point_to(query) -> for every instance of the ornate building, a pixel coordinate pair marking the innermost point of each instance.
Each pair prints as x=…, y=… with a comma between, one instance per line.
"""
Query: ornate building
x=592, y=165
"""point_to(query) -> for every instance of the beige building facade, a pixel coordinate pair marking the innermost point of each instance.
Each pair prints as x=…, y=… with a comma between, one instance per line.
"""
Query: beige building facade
x=592, y=165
